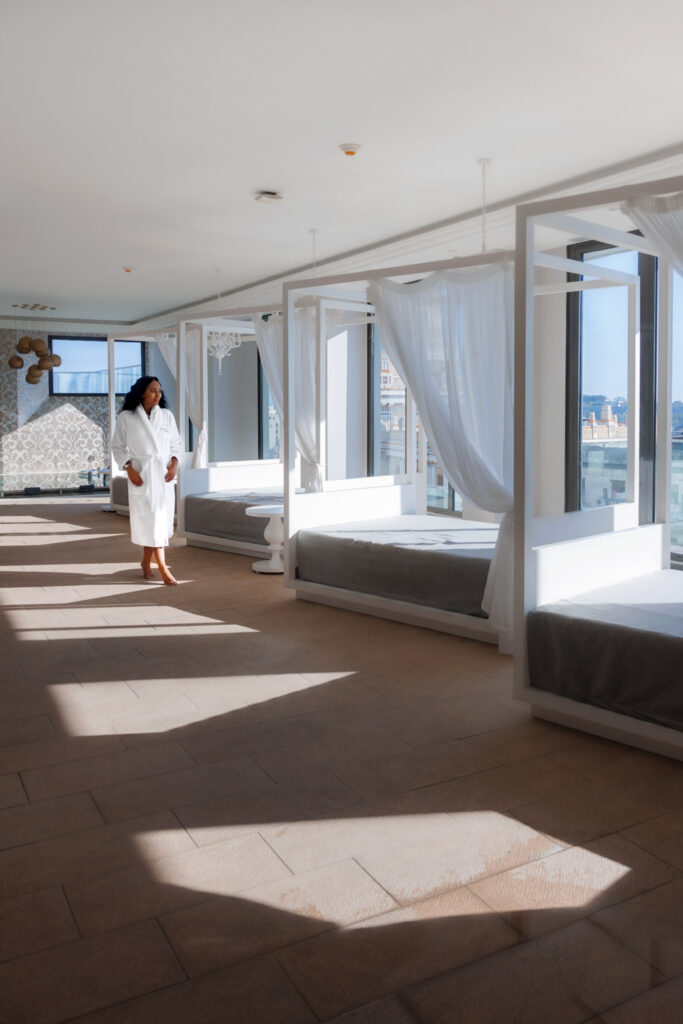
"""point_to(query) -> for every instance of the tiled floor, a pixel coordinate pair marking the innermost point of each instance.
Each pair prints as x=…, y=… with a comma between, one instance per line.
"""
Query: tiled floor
x=220, y=805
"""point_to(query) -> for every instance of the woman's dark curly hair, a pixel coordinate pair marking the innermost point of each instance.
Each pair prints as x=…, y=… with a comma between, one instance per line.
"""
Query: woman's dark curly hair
x=134, y=397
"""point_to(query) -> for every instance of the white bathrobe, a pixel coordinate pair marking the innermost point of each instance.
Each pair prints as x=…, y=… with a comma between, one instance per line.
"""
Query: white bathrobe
x=149, y=443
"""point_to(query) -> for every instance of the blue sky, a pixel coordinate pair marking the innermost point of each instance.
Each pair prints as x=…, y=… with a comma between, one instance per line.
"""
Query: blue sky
x=89, y=356
x=605, y=366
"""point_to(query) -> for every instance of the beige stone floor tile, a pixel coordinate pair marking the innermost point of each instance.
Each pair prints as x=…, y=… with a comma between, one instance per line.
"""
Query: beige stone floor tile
x=662, y=836
x=78, y=977
x=328, y=753
x=479, y=844
x=505, y=787
x=35, y=921
x=551, y=893
x=386, y=1011
x=565, y=977
x=231, y=737
x=257, y=992
x=21, y=699
x=651, y=925
x=348, y=968
x=662, y=1005
x=398, y=773
x=12, y=792
x=165, y=884
x=318, y=696
x=214, y=821
x=440, y=721
x=586, y=813
x=31, y=822
x=656, y=780
x=529, y=739
x=90, y=773
x=23, y=730
x=55, y=750
x=95, y=851
x=273, y=916
x=179, y=788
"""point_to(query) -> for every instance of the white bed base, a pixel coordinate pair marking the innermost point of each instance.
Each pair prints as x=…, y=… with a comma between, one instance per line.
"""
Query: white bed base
x=226, y=476
x=368, y=497
x=565, y=555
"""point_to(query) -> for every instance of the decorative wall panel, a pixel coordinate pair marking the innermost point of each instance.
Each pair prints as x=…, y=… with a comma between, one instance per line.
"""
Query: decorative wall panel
x=47, y=440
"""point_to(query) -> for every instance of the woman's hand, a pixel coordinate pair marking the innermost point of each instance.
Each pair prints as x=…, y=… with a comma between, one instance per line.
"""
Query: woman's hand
x=134, y=476
x=171, y=470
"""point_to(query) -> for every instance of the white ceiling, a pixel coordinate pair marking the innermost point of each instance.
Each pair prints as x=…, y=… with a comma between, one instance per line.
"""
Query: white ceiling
x=135, y=132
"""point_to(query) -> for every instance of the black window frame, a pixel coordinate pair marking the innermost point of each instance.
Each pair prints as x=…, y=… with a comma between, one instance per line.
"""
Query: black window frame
x=648, y=273
x=90, y=337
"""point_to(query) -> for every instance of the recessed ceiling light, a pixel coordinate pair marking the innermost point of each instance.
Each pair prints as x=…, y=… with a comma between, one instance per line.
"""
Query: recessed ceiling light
x=349, y=148
x=268, y=196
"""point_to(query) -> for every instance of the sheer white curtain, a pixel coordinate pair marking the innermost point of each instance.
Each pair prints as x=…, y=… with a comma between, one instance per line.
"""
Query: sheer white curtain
x=450, y=336
x=168, y=347
x=660, y=218
x=303, y=341
x=269, y=343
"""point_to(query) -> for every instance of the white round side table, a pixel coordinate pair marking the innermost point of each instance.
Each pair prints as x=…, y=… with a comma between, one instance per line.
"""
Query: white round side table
x=274, y=534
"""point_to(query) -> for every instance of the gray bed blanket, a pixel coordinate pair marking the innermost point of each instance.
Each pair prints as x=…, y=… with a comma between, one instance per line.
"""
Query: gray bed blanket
x=222, y=514
x=436, y=561
x=618, y=647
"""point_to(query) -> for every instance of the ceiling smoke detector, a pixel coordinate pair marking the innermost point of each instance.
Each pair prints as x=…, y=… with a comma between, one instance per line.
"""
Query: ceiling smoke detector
x=349, y=148
x=268, y=196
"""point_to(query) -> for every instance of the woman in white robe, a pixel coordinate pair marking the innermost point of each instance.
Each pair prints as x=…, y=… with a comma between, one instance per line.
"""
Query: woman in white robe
x=147, y=445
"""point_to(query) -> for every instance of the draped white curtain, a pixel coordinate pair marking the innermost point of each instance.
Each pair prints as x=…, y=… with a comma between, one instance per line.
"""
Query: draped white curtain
x=303, y=341
x=660, y=218
x=450, y=336
x=269, y=343
x=168, y=347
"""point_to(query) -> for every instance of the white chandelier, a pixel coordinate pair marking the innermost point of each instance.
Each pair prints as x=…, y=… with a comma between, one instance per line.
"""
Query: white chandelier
x=220, y=344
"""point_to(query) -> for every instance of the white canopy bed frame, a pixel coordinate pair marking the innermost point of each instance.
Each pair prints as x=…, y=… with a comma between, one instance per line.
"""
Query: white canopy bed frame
x=597, y=605
x=365, y=500
x=253, y=480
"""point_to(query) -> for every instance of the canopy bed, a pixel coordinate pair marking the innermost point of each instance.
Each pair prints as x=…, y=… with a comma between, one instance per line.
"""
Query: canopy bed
x=212, y=497
x=366, y=542
x=598, y=608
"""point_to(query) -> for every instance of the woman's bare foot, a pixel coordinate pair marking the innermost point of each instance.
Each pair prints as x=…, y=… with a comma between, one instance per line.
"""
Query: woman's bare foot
x=147, y=571
x=168, y=578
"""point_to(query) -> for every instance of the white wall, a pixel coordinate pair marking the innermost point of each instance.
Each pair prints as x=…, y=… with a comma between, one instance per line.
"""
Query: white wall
x=233, y=406
x=156, y=367
x=347, y=355
x=550, y=340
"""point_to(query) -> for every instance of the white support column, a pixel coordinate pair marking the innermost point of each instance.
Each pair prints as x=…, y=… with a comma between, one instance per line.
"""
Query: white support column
x=321, y=385
x=181, y=403
x=204, y=371
x=633, y=414
x=111, y=379
x=289, y=438
x=664, y=392
x=524, y=581
x=181, y=384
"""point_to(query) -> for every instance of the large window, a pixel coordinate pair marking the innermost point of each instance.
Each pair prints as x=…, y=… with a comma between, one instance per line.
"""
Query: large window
x=387, y=402
x=84, y=367
x=597, y=385
x=441, y=497
x=387, y=395
x=677, y=424
x=270, y=428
